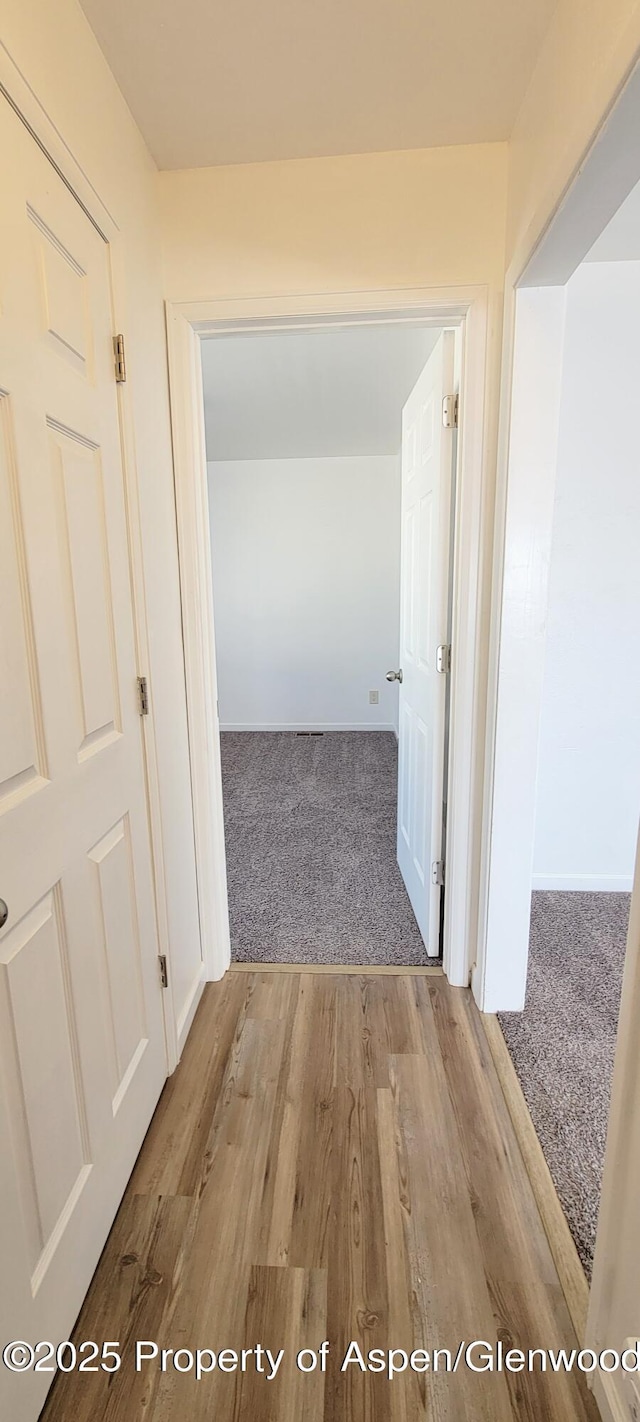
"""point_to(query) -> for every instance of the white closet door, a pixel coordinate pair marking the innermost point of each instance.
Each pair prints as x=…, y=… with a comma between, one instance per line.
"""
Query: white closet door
x=82, y=1054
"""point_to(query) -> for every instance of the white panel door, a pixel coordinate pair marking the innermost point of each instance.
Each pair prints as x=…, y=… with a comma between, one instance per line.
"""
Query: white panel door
x=427, y=468
x=82, y=1055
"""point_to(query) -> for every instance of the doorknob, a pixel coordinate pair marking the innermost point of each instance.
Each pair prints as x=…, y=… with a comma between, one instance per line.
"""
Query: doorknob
x=395, y=676
x=4, y=913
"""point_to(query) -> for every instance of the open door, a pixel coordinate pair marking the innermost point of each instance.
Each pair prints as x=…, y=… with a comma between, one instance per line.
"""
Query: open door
x=427, y=473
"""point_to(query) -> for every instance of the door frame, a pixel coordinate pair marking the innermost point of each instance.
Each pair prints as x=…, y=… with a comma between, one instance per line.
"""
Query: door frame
x=466, y=308
x=15, y=90
x=605, y=173
x=528, y=429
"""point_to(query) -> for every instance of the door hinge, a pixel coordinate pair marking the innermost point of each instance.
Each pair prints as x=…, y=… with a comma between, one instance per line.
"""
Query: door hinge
x=164, y=971
x=119, y=359
x=450, y=412
x=143, y=696
x=443, y=658
x=437, y=871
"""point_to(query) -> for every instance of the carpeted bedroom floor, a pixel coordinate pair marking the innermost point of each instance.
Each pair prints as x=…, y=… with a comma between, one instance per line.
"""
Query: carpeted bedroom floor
x=563, y=1044
x=310, y=829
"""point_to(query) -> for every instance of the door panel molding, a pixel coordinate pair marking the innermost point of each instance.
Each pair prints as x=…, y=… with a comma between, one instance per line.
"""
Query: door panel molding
x=16, y=90
x=78, y=953
x=25, y=103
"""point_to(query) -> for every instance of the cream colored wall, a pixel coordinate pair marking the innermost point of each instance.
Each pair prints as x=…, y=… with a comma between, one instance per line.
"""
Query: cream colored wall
x=54, y=48
x=432, y=217
x=586, y=57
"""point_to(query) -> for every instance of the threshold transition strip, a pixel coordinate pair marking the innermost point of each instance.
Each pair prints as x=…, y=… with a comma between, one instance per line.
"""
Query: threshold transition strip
x=353, y=970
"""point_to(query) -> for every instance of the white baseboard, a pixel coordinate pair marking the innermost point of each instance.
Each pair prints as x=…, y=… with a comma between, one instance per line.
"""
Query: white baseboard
x=607, y=1391
x=306, y=726
x=584, y=883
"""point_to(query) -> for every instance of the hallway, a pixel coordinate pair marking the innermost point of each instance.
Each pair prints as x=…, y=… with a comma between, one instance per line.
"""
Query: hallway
x=333, y=1159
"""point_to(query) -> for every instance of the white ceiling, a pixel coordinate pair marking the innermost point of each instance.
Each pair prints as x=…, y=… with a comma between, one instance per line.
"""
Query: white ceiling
x=242, y=81
x=310, y=394
x=620, y=241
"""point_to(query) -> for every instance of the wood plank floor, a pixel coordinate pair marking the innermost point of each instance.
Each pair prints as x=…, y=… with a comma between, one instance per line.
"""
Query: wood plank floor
x=333, y=1159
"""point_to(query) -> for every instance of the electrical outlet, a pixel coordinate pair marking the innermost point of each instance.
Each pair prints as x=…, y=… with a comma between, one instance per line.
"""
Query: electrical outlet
x=374, y=697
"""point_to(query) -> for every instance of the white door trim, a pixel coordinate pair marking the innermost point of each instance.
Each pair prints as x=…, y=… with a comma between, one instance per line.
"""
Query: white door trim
x=524, y=519
x=187, y=322
x=21, y=96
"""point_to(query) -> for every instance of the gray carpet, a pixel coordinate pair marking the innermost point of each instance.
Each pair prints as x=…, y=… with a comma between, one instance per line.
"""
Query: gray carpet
x=310, y=828
x=563, y=1044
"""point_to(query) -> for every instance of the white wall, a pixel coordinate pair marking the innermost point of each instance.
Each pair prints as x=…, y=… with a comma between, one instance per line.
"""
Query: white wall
x=306, y=571
x=589, y=750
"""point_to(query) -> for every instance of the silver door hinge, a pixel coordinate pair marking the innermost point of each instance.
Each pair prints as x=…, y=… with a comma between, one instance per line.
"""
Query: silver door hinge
x=443, y=658
x=437, y=871
x=164, y=971
x=119, y=359
x=143, y=696
x=450, y=412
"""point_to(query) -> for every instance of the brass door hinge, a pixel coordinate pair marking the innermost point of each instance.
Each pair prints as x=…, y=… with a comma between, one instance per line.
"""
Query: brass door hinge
x=119, y=359
x=164, y=971
x=143, y=696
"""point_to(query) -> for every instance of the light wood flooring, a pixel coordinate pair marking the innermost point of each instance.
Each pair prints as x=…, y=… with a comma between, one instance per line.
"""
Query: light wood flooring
x=333, y=1159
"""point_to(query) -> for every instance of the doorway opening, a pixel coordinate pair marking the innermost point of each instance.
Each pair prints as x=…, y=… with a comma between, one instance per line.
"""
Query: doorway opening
x=588, y=784
x=566, y=778
x=467, y=311
x=330, y=491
